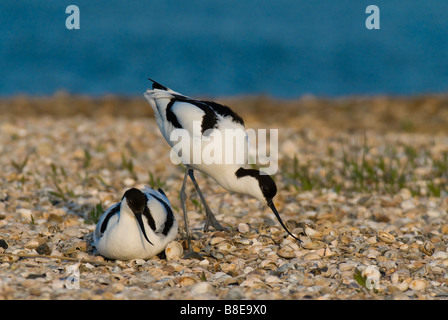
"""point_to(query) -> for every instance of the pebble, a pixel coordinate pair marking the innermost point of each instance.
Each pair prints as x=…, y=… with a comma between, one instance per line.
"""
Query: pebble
x=313, y=233
x=386, y=237
x=403, y=286
x=201, y=288
x=347, y=266
x=186, y=281
x=243, y=227
x=408, y=204
x=3, y=244
x=216, y=240
x=418, y=285
x=286, y=252
x=43, y=249
x=25, y=213
x=225, y=246
x=313, y=245
x=440, y=255
x=32, y=244
x=173, y=250
x=312, y=256
x=322, y=281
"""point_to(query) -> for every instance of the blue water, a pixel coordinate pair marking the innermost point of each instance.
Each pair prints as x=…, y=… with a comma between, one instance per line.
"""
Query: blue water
x=283, y=48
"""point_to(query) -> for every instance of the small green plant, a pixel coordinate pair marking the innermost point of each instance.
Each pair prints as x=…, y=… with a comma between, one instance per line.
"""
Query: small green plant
x=19, y=166
x=127, y=164
x=301, y=176
x=155, y=183
x=441, y=165
x=102, y=181
x=360, y=167
x=380, y=174
x=434, y=189
x=93, y=216
x=407, y=125
x=87, y=159
x=359, y=278
x=197, y=204
x=59, y=193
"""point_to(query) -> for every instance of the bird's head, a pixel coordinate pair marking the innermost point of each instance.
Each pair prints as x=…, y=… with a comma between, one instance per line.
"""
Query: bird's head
x=262, y=187
x=134, y=202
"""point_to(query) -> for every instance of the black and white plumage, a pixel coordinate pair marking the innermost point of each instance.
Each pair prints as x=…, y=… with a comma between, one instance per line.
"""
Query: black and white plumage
x=173, y=110
x=138, y=227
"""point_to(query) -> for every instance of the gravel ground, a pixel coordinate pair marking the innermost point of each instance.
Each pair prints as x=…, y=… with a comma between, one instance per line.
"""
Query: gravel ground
x=362, y=181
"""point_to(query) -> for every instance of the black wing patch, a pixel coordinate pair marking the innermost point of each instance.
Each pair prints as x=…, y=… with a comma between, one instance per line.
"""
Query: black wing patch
x=170, y=116
x=169, y=216
x=148, y=215
x=211, y=110
x=224, y=111
x=161, y=191
x=115, y=209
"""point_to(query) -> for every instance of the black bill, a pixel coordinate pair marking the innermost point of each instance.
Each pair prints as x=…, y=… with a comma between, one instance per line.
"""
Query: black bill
x=138, y=216
x=274, y=209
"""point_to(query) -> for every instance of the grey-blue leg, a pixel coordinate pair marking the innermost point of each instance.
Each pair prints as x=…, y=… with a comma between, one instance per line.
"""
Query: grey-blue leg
x=183, y=196
x=210, y=219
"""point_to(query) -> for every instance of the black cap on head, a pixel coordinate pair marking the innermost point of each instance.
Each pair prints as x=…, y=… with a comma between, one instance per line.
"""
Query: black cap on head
x=136, y=199
x=267, y=185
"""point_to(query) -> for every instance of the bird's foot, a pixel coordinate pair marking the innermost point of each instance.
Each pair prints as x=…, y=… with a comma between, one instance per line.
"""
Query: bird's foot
x=211, y=221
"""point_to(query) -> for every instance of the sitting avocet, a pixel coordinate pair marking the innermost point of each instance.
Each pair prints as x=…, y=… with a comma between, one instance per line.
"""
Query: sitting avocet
x=138, y=227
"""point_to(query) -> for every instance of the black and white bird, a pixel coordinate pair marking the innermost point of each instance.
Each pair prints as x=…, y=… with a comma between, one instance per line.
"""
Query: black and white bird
x=138, y=227
x=174, y=111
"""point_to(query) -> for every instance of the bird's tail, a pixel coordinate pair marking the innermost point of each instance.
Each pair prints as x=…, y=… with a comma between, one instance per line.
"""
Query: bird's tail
x=156, y=85
x=158, y=97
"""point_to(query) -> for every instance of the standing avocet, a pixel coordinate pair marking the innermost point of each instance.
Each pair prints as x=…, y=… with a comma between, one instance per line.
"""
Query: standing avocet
x=138, y=227
x=174, y=111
